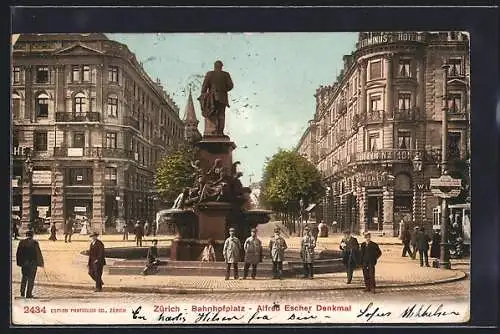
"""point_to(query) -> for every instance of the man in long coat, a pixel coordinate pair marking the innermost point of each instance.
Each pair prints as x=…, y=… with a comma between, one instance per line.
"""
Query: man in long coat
x=370, y=252
x=307, y=245
x=28, y=257
x=139, y=233
x=277, y=247
x=406, y=239
x=232, y=253
x=97, y=261
x=214, y=98
x=413, y=242
x=253, y=253
x=423, y=247
x=350, y=254
x=68, y=229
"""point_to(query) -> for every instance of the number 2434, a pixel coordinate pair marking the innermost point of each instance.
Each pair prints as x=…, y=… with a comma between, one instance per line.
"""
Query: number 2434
x=34, y=309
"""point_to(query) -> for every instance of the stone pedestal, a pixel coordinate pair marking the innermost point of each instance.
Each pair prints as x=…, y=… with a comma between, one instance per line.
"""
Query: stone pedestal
x=211, y=148
x=212, y=218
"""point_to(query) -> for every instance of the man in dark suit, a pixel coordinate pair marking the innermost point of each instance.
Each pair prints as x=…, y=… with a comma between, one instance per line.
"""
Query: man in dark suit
x=68, y=229
x=350, y=253
x=28, y=257
x=423, y=247
x=139, y=233
x=96, y=261
x=370, y=252
x=406, y=239
x=214, y=99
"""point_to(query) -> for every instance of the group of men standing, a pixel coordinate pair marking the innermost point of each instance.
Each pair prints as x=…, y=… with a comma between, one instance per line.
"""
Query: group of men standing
x=365, y=255
x=419, y=242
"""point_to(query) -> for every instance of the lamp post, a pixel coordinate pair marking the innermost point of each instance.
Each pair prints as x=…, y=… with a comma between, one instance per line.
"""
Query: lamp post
x=444, y=261
x=28, y=163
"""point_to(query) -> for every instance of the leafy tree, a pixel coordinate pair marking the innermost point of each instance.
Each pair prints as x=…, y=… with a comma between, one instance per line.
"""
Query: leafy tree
x=174, y=172
x=289, y=177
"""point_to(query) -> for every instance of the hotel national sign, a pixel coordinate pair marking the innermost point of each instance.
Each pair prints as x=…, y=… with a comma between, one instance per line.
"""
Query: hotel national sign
x=389, y=38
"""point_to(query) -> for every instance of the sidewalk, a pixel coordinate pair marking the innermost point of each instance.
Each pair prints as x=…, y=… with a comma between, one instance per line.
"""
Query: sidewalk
x=66, y=267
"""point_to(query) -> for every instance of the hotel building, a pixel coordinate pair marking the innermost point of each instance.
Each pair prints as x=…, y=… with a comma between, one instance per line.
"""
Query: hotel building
x=376, y=132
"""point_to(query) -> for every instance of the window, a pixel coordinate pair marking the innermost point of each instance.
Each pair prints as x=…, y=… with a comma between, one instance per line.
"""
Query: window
x=110, y=175
x=455, y=103
x=404, y=100
x=42, y=74
x=404, y=140
x=40, y=141
x=404, y=68
x=113, y=74
x=454, y=139
x=86, y=73
x=375, y=70
x=16, y=74
x=111, y=139
x=375, y=103
x=75, y=73
x=373, y=142
x=79, y=139
x=455, y=68
x=16, y=138
x=80, y=176
x=112, y=106
x=42, y=105
x=16, y=105
x=79, y=103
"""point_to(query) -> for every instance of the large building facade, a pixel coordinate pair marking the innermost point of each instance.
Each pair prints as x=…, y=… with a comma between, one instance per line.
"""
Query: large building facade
x=93, y=126
x=377, y=131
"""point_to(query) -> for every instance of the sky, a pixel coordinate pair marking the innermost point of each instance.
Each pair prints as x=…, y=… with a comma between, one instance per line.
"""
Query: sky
x=275, y=78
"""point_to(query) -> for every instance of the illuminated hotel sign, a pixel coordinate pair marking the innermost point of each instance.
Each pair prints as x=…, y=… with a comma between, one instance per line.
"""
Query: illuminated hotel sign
x=389, y=38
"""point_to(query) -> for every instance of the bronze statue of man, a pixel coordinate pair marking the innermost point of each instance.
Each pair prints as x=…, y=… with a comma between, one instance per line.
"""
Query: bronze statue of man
x=214, y=99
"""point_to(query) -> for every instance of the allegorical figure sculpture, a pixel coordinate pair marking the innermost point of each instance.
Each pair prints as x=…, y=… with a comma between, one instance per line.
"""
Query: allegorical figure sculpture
x=214, y=99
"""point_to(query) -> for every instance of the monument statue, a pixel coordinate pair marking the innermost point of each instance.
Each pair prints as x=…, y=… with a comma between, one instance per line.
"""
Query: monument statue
x=214, y=99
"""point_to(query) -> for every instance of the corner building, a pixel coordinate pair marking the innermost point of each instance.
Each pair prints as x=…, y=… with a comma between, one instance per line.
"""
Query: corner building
x=95, y=124
x=376, y=133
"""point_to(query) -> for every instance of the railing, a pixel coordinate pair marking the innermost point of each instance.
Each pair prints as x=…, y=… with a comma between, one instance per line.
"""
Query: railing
x=405, y=114
x=92, y=152
x=457, y=114
x=129, y=121
x=78, y=117
x=374, y=116
x=385, y=155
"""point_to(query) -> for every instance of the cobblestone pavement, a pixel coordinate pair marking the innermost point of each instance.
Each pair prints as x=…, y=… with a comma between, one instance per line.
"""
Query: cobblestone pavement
x=454, y=291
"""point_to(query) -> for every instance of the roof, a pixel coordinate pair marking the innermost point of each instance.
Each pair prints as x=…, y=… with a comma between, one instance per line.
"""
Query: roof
x=62, y=37
x=190, y=114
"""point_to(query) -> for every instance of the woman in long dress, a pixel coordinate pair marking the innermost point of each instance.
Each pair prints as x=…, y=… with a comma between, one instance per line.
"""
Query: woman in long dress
x=84, y=230
x=208, y=254
x=53, y=231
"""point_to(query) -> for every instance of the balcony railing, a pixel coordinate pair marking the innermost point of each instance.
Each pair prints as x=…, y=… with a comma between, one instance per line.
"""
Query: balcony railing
x=129, y=121
x=92, y=152
x=385, y=155
x=78, y=117
x=405, y=114
x=374, y=116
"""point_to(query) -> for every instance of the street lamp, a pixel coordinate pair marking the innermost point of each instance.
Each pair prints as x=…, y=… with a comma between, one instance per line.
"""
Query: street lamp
x=28, y=163
x=444, y=261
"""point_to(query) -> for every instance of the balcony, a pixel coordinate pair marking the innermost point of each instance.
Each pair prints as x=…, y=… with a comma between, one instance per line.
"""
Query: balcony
x=92, y=152
x=129, y=121
x=455, y=114
x=405, y=114
x=393, y=155
x=78, y=117
x=374, y=116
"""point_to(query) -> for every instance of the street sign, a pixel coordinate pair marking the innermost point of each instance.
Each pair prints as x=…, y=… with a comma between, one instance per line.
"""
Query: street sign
x=446, y=181
x=441, y=194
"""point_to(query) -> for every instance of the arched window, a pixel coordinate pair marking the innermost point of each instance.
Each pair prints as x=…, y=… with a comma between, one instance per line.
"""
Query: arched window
x=112, y=105
x=42, y=105
x=79, y=103
x=16, y=105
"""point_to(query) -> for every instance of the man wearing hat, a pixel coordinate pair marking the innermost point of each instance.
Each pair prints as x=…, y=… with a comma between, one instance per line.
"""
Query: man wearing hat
x=231, y=252
x=28, y=257
x=413, y=242
x=253, y=253
x=277, y=246
x=139, y=233
x=307, y=245
x=350, y=253
x=96, y=261
x=370, y=252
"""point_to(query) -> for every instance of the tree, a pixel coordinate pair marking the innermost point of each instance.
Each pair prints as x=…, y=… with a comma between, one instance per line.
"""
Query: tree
x=174, y=172
x=289, y=177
